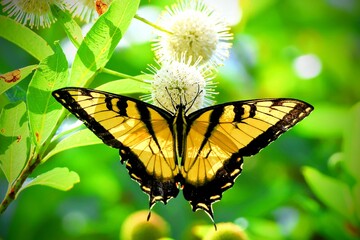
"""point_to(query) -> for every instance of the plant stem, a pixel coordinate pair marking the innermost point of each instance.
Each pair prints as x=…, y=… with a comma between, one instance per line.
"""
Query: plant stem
x=152, y=24
x=66, y=132
x=118, y=74
x=32, y=163
x=17, y=184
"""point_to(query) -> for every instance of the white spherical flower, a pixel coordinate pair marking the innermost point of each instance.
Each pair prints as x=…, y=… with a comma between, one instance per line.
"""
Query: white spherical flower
x=35, y=13
x=194, y=30
x=178, y=83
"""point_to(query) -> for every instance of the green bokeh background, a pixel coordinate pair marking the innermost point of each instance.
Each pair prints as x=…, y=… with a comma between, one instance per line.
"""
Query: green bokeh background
x=271, y=198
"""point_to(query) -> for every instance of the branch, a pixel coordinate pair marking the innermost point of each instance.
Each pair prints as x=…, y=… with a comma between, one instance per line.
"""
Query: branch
x=17, y=184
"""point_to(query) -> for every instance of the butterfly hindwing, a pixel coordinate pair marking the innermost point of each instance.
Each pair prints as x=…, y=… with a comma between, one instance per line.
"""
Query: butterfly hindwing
x=140, y=131
x=219, y=136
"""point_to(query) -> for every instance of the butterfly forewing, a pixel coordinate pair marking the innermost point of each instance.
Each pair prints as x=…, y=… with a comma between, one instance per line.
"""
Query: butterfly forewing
x=219, y=136
x=140, y=131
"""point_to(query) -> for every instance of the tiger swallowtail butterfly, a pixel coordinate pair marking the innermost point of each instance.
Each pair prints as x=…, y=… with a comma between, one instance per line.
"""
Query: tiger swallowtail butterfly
x=200, y=153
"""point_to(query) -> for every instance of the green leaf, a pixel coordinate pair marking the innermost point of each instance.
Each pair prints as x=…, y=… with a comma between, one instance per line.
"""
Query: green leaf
x=338, y=230
x=8, y=80
x=59, y=178
x=44, y=111
x=126, y=86
x=72, y=29
x=335, y=194
x=81, y=138
x=100, y=42
x=24, y=38
x=356, y=193
x=352, y=142
x=14, y=138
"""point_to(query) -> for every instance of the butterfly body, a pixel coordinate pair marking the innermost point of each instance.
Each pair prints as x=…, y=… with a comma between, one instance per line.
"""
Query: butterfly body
x=200, y=153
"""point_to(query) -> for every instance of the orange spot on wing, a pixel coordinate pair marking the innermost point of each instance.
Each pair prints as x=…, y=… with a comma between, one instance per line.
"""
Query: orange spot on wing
x=18, y=139
x=11, y=77
x=37, y=137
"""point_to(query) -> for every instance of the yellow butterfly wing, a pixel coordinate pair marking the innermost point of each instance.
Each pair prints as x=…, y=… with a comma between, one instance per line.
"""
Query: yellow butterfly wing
x=219, y=136
x=139, y=130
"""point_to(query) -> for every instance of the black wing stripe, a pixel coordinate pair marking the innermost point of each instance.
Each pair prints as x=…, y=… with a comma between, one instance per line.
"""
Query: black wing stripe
x=74, y=107
x=145, y=117
x=289, y=120
x=214, y=121
x=122, y=106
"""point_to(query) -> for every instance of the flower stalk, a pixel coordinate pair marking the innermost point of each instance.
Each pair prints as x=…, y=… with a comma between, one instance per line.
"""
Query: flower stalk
x=121, y=75
x=152, y=24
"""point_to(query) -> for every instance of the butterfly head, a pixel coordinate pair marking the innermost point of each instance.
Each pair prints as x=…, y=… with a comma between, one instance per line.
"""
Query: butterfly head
x=181, y=99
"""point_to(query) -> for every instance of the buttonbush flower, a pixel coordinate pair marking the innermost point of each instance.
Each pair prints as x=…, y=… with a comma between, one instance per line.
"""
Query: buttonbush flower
x=136, y=226
x=34, y=13
x=194, y=30
x=180, y=82
x=226, y=231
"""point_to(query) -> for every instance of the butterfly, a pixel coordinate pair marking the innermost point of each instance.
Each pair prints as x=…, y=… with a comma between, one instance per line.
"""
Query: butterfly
x=200, y=153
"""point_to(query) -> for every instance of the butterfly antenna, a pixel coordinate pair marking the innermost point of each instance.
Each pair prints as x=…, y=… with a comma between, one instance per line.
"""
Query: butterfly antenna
x=196, y=96
x=162, y=106
x=172, y=100
x=185, y=100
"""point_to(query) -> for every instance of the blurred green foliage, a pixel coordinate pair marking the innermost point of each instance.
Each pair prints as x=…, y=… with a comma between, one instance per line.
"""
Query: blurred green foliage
x=303, y=186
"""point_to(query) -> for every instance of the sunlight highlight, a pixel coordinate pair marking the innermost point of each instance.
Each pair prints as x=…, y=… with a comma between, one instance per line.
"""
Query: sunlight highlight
x=307, y=66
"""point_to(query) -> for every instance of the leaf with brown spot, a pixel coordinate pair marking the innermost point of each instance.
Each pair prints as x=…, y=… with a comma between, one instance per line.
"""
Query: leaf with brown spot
x=37, y=137
x=99, y=44
x=11, y=76
x=72, y=29
x=44, y=112
x=14, y=138
x=10, y=79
